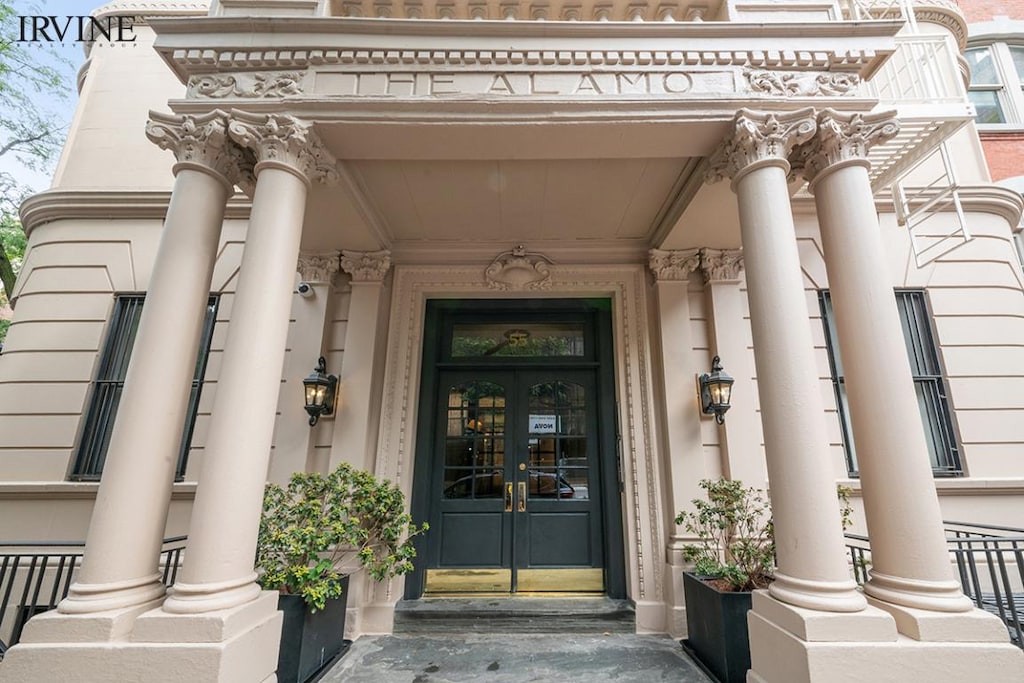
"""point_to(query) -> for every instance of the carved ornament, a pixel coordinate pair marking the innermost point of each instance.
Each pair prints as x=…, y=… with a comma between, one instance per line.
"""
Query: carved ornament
x=320, y=267
x=201, y=140
x=286, y=140
x=519, y=269
x=675, y=264
x=802, y=84
x=366, y=266
x=843, y=137
x=758, y=136
x=279, y=84
x=721, y=264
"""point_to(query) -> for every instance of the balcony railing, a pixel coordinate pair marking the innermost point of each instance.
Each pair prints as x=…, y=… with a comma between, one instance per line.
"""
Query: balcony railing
x=989, y=562
x=35, y=576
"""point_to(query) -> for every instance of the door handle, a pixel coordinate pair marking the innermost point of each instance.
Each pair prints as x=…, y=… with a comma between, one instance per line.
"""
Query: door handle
x=522, y=496
x=508, y=497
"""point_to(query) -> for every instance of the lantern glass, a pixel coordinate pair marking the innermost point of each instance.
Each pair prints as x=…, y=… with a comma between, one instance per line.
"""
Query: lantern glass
x=716, y=391
x=320, y=390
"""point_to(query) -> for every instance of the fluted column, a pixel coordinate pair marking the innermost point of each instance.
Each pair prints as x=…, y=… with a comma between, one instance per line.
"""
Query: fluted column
x=225, y=517
x=812, y=569
x=910, y=561
x=120, y=567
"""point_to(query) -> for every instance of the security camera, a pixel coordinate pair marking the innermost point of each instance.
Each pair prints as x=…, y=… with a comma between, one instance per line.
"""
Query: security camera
x=305, y=290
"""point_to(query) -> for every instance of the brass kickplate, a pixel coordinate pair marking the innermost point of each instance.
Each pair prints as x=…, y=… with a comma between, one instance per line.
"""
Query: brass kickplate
x=468, y=581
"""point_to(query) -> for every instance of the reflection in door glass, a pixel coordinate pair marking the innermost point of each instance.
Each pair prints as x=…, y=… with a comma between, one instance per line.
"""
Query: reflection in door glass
x=558, y=442
x=517, y=339
x=474, y=441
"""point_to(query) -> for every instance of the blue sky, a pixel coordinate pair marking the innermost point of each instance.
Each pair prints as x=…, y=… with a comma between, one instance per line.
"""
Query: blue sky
x=71, y=51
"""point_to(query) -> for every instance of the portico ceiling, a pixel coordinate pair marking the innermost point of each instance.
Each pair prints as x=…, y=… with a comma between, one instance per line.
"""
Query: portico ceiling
x=520, y=199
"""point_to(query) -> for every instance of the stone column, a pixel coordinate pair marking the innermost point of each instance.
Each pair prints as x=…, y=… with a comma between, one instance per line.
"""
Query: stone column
x=295, y=443
x=672, y=270
x=218, y=573
x=739, y=442
x=910, y=560
x=812, y=569
x=120, y=567
x=355, y=434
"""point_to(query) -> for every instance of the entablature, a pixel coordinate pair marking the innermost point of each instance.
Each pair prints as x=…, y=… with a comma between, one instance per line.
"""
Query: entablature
x=327, y=58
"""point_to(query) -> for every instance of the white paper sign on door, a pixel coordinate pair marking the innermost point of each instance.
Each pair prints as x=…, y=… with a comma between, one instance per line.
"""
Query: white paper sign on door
x=543, y=424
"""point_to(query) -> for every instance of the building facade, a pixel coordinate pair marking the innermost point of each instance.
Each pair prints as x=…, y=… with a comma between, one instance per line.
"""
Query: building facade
x=518, y=232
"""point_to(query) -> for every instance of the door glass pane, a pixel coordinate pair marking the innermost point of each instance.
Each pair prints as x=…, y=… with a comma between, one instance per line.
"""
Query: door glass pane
x=517, y=339
x=474, y=441
x=559, y=466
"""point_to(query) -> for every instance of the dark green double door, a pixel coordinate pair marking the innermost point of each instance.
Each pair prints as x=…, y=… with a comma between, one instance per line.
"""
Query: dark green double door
x=516, y=488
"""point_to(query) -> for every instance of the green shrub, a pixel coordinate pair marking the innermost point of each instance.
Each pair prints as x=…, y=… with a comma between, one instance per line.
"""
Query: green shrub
x=319, y=529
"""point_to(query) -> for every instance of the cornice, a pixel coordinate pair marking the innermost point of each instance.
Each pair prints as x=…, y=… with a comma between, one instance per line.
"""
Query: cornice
x=963, y=486
x=228, y=44
x=54, y=205
x=945, y=13
x=321, y=26
x=73, y=490
x=991, y=199
x=153, y=8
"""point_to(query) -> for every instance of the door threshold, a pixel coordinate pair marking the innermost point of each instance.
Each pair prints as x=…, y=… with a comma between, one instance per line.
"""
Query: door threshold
x=521, y=594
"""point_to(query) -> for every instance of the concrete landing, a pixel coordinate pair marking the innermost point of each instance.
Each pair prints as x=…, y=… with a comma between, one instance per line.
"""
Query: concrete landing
x=515, y=658
x=579, y=615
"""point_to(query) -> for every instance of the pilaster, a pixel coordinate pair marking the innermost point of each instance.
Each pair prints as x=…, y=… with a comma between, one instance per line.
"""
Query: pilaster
x=685, y=466
x=355, y=433
x=295, y=441
x=729, y=338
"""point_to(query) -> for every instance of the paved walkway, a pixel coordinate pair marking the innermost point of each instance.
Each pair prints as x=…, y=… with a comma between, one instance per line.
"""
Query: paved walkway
x=509, y=658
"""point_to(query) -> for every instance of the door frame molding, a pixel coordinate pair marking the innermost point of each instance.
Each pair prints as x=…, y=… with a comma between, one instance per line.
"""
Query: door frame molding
x=598, y=365
x=643, y=514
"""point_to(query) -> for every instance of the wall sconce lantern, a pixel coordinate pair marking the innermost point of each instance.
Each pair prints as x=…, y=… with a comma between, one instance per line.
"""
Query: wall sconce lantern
x=716, y=391
x=321, y=390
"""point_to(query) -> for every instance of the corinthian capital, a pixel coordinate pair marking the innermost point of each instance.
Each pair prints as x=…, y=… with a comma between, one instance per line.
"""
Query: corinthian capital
x=284, y=140
x=366, y=266
x=721, y=264
x=759, y=136
x=318, y=267
x=843, y=138
x=675, y=264
x=200, y=140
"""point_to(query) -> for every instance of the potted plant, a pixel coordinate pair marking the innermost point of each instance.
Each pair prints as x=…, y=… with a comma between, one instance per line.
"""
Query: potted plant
x=314, y=534
x=733, y=555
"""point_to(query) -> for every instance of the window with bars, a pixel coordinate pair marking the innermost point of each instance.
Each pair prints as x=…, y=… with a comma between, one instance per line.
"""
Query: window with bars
x=928, y=381
x=106, y=394
x=997, y=76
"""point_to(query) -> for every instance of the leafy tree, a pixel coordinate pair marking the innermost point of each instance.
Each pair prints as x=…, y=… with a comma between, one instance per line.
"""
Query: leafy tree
x=31, y=132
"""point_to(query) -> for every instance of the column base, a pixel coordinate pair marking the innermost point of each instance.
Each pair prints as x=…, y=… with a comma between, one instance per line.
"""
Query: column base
x=975, y=626
x=230, y=646
x=792, y=645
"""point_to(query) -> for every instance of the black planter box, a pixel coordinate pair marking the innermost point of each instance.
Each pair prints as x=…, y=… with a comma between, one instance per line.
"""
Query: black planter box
x=717, y=627
x=309, y=641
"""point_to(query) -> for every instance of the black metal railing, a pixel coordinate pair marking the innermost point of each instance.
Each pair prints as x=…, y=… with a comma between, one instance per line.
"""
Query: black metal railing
x=989, y=562
x=35, y=576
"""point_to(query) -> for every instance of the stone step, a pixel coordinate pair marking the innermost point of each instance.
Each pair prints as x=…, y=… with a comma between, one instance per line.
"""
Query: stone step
x=515, y=615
